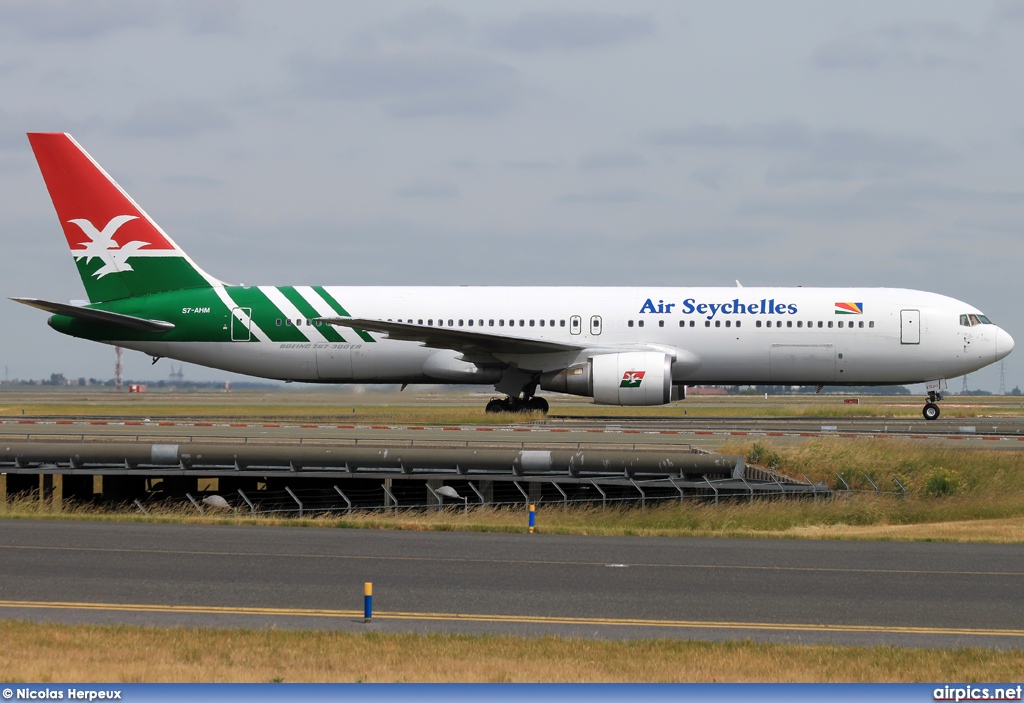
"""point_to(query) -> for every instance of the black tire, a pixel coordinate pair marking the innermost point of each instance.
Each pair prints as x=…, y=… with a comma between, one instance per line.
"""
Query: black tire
x=931, y=411
x=496, y=405
x=538, y=404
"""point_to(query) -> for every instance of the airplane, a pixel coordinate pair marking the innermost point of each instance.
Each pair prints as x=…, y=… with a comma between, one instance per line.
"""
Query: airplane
x=620, y=346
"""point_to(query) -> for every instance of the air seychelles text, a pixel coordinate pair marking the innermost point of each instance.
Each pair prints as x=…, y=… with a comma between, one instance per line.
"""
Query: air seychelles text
x=736, y=307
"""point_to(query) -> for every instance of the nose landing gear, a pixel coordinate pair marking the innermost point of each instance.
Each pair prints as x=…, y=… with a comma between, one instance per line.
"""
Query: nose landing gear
x=931, y=408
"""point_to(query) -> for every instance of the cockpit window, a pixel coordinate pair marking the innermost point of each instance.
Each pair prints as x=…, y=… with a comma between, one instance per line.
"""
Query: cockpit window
x=972, y=320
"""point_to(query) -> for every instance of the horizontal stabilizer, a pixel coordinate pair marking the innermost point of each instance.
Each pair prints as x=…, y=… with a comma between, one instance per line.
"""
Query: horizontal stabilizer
x=459, y=340
x=93, y=315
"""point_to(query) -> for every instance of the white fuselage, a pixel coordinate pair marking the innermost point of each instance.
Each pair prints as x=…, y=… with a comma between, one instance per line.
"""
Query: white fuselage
x=718, y=335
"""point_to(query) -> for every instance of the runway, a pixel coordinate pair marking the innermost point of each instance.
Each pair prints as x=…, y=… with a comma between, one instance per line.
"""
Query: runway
x=911, y=594
x=641, y=433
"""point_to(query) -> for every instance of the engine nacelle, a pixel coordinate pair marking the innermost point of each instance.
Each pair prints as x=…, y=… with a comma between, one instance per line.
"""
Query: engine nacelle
x=626, y=378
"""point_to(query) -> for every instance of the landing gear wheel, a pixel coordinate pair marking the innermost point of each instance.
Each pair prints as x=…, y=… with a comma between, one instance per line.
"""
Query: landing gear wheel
x=537, y=404
x=497, y=405
x=931, y=411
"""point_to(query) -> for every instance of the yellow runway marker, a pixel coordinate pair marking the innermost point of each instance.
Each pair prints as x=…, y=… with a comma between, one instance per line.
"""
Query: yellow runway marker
x=510, y=619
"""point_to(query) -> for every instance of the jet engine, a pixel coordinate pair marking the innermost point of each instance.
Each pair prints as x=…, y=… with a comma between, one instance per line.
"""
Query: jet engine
x=625, y=378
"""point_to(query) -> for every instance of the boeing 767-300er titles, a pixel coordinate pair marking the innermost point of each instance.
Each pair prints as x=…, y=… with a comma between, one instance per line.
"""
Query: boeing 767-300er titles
x=619, y=346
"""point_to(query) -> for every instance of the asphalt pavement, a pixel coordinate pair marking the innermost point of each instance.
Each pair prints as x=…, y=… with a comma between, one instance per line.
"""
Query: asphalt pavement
x=848, y=592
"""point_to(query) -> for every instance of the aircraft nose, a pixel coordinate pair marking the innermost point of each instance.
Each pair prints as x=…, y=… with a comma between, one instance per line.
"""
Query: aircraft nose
x=1004, y=344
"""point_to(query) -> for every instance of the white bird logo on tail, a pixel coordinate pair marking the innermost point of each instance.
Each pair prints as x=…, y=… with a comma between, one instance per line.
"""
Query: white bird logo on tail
x=103, y=247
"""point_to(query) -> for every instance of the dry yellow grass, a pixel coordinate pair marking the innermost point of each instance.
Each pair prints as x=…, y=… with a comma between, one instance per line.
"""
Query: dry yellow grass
x=1007, y=531
x=55, y=653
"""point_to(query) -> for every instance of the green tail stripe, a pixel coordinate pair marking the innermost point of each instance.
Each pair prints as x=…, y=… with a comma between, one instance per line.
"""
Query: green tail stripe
x=296, y=299
x=149, y=275
x=341, y=311
x=265, y=314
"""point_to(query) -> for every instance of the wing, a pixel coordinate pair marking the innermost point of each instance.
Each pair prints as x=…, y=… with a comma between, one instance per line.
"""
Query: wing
x=459, y=340
x=93, y=315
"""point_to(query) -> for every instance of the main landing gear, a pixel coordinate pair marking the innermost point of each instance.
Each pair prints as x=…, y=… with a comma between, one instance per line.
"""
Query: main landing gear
x=509, y=404
x=931, y=409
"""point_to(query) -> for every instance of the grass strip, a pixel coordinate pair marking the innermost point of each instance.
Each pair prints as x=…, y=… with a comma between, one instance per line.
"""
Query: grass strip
x=50, y=653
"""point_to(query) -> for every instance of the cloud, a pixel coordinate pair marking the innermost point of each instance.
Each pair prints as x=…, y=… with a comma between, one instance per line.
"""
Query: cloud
x=428, y=189
x=412, y=84
x=922, y=45
x=69, y=20
x=432, y=23
x=879, y=201
x=603, y=196
x=174, y=118
x=197, y=181
x=834, y=154
x=709, y=177
x=598, y=160
x=566, y=30
x=1008, y=10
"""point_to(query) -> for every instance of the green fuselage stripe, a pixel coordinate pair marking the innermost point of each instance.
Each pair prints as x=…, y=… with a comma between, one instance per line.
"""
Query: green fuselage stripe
x=322, y=292
x=306, y=309
x=274, y=323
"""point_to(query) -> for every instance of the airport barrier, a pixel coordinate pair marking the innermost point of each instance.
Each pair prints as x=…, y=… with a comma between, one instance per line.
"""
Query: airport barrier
x=519, y=462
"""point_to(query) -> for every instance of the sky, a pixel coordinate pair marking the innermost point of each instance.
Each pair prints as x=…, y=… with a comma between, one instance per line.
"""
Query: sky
x=577, y=143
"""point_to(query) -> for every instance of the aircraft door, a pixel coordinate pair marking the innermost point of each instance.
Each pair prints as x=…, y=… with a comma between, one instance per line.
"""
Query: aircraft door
x=595, y=325
x=910, y=326
x=241, y=318
x=575, y=324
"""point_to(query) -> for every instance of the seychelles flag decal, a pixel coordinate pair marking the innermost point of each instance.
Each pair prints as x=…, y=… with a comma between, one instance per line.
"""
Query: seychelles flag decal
x=849, y=308
x=632, y=379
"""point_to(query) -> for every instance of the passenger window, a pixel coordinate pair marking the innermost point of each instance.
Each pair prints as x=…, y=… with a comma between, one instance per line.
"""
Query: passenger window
x=451, y=323
x=629, y=324
x=419, y=322
x=641, y=323
x=757, y=324
x=871, y=324
x=542, y=323
x=287, y=322
x=661, y=323
x=768, y=323
x=470, y=322
x=561, y=323
x=789, y=323
x=830, y=324
x=861, y=324
x=682, y=323
x=728, y=323
x=707, y=323
x=490, y=323
x=692, y=323
x=279, y=322
x=522, y=323
x=460, y=323
x=531, y=323
x=501, y=323
x=737, y=323
x=718, y=323
x=552, y=323
x=799, y=323
x=840, y=324
x=819, y=324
